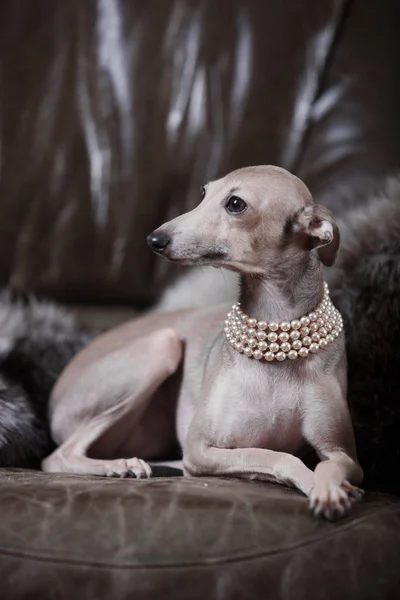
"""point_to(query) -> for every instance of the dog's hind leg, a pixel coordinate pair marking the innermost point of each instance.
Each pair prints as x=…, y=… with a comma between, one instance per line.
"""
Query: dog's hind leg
x=111, y=392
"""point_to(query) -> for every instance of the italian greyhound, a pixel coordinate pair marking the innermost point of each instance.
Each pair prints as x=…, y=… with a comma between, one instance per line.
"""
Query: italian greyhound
x=174, y=380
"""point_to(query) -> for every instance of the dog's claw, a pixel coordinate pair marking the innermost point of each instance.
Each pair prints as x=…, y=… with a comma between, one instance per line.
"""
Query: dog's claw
x=135, y=473
x=355, y=493
x=332, y=501
x=130, y=474
x=130, y=468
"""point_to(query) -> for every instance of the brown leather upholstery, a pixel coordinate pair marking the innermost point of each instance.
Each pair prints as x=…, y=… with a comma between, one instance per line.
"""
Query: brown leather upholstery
x=113, y=113
x=91, y=538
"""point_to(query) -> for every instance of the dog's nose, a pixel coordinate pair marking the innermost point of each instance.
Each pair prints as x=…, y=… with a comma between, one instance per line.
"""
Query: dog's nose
x=158, y=242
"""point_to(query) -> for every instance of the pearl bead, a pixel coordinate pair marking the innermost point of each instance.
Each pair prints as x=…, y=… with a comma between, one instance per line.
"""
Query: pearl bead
x=272, y=337
x=284, y=325
x=314, y=347
x=295, y=324
x=273, y=326
x=306, y=340
x=228, y=336
x=262, y=325
x=263, y=346
x=229, y=315
x=285, y=347
x=292, y=355
x=252, y=322
x=251, y=332
x=314, y=327
x=296, y=344
x=239, y=346
x=269, y=356
x=329, y=338
x=315, y=337
x=261, y=335
x=323, y=332
x=319, y=312
x=243, y=327
x=295, y=335
x=281, y=356
x=244, y=318
x=304, y=331
x=284, y=337
x=248, y=351
x=303, y=352
x=305, y=321
x=323, y=343
x=252, y=342
x=243, y=337
x=313, y=316
x=320, y=322
x=274, y=347
x=257, y=354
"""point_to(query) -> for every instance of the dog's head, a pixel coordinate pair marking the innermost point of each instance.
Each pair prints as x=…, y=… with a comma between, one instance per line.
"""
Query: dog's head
x=247, y=221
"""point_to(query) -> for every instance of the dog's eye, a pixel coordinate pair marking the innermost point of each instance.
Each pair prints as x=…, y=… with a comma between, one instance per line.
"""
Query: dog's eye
x=235, y=205
x=203, y=192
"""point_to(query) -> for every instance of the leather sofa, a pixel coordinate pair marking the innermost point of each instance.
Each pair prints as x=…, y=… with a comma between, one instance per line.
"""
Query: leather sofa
x=113, y=114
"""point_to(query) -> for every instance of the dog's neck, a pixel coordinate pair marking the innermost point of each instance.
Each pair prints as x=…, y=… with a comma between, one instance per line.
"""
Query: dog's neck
x=284, y=293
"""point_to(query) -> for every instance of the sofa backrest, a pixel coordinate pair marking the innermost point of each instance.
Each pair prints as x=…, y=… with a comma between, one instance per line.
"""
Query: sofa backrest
x=114, y=113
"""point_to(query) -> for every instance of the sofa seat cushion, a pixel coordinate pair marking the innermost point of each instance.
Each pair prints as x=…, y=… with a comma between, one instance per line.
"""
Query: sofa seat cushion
x=65, y=536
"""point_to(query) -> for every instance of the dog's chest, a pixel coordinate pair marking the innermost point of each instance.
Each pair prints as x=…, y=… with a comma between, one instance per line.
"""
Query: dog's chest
x=260, y=412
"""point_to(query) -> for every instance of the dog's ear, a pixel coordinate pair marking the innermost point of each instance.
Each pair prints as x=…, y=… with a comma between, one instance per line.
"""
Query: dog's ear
x=322, y=233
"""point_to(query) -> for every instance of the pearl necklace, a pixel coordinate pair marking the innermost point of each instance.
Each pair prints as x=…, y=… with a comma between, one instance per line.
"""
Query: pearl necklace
x=278, y=341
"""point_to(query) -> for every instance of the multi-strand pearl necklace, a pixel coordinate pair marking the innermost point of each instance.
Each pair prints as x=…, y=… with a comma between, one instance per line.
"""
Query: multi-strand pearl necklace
x=278, y=341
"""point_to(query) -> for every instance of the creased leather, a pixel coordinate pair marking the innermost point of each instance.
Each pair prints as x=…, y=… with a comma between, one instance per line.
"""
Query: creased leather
x=354, y=130
x=64, y=536
x=114, y=112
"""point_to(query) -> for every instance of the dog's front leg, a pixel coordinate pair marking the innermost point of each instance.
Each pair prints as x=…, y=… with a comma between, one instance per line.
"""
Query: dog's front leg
x=328, y=428
x=200, y=459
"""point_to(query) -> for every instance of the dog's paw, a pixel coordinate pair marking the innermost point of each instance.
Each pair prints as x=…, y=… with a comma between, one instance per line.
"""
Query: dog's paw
x=130, y=467
x=333, y=501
